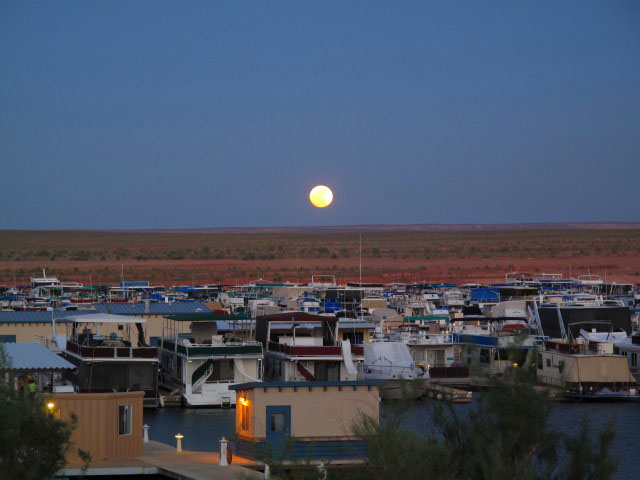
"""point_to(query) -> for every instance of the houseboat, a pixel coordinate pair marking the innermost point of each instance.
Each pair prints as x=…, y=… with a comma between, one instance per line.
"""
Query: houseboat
x=114, y=360
x=586, y=370
x=391, y=361
x=300, y=346
x=202, y=364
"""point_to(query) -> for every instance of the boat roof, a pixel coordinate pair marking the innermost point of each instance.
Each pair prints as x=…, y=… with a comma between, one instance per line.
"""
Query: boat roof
x=298, y=317
x=207, y=317
x=152, y=308
x=104, y=318
x=34, y=357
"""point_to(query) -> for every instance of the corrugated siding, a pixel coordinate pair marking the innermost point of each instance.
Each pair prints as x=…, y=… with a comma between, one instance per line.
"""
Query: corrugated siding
x=321, y=450
x=39, y=317
x=33, y=356
x=154, y=308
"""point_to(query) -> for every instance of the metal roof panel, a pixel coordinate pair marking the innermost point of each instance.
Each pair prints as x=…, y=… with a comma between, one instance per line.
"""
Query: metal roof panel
x=33, y=356
x=40, y=316
x=153, y=308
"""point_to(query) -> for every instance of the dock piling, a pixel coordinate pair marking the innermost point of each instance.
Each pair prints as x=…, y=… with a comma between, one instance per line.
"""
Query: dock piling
x=224, y=445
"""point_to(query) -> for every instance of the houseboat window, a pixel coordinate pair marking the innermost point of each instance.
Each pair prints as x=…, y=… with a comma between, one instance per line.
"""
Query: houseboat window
x=277, y=422
x=539, y=362
x=222, y=370
x=142, y=377
x=244, y=412
x=634, y=359
x=327, y=371
x=124, y=420
x=484, y=355
x=548, y=362
x=500, y=355
x=356, y=338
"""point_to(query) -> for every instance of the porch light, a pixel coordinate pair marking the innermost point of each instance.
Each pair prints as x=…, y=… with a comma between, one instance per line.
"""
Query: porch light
x=51, y=405
x=515, y=364
x=243, y=401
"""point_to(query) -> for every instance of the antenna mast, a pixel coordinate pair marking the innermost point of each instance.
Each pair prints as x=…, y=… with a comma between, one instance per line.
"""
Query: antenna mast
x=361, y=260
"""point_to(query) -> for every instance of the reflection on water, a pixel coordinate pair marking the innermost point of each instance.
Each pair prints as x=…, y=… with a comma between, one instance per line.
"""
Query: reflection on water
x=203, y=428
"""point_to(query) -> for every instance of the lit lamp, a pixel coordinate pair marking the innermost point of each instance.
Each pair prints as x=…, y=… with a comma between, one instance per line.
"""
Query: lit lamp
x=179, y=438
x=51, y=406
x=243, y=401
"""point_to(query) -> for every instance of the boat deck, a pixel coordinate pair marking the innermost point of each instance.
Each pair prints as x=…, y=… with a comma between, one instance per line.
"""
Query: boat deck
x=159, y=458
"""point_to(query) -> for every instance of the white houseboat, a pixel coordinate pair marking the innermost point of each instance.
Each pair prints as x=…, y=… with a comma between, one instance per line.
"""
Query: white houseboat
x=202, y=364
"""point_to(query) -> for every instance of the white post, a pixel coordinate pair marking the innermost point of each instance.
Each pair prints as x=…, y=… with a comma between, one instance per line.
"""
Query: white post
x=145, y=433
x=224, y=443
x=179, y=443
x=267, y=472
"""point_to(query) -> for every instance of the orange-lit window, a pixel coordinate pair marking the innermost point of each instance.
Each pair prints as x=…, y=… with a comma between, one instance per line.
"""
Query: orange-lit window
x=244, y=414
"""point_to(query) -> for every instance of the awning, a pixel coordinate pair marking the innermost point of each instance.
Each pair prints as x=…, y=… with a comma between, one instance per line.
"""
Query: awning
x=30, y=357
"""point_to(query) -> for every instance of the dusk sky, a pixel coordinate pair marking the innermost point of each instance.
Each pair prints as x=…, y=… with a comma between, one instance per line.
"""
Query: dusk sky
x=156, y=114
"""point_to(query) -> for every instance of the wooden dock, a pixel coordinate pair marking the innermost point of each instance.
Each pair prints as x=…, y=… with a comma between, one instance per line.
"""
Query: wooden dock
x=159, y=458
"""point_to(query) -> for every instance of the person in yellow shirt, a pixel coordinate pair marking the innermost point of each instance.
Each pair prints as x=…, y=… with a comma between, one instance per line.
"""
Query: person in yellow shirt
x=31, y=386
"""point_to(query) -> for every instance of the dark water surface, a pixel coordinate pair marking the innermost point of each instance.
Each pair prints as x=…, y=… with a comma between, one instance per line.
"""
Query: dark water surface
x=203, y=428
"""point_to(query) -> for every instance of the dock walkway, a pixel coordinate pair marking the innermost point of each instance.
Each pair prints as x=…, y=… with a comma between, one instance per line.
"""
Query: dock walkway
x=159, y=458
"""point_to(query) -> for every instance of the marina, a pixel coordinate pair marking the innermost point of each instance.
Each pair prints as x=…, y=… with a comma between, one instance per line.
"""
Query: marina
x=319, y=240
x=190, y=344
x=300, y=363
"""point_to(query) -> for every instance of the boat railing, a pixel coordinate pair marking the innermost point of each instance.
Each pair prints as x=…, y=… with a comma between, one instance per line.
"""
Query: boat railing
x=305, y=350
x=451, y=371
x=430, y=339
x=242, y=343
x=392, y=370
x=46, y=342
x=313, y=350
x=112, y=352
x=229, y=348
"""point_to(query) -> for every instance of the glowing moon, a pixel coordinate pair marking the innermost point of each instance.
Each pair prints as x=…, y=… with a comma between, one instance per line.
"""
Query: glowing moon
x=321, y=196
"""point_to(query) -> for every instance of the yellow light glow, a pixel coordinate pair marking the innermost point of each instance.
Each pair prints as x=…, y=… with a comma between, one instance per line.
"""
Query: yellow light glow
x=50, y=405
x=321, y=196
x=243, y=401
x=515, y=364
x=179, y=435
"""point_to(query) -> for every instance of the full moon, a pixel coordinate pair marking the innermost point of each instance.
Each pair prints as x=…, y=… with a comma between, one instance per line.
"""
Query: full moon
x=321, y=196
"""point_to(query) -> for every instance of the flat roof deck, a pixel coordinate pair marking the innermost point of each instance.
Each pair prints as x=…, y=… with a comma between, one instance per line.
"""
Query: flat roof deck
x=160, y=458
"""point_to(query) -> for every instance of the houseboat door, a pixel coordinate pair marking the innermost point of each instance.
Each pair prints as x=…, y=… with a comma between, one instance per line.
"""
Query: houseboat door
x=278, y=428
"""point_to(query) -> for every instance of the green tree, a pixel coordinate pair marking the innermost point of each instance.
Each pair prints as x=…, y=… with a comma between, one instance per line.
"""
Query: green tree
x=33, y=442
x=506, y=435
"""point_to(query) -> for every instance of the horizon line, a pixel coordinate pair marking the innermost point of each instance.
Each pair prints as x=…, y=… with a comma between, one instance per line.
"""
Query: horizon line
x=426, y=227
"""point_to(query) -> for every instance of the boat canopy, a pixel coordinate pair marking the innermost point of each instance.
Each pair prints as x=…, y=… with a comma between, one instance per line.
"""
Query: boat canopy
x=103, y=318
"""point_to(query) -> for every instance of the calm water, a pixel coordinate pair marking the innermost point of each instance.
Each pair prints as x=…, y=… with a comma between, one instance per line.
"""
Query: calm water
x=203, y=428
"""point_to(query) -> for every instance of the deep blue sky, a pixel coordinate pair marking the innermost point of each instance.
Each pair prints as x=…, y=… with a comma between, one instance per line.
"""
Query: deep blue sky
x=156, y=114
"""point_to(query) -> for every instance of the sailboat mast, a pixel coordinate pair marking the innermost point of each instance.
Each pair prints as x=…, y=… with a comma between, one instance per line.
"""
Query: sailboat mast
x=361, y=260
